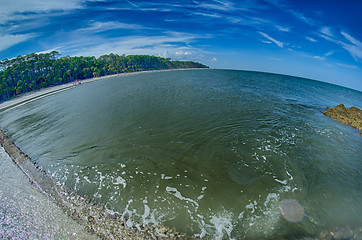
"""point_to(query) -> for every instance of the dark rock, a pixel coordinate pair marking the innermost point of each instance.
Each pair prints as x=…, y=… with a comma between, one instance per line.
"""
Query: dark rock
x=350, y=116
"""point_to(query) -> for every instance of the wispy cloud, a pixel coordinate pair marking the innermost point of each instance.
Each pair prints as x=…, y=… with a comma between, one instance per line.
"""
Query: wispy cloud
x=347, y=66
x=283, y=29
x=303, y=18
x=326, y=31
x=311, y=39
x=18, y=19
x=224, y=6
x=96, y=26
x=278, y=43
x=354, y=48
x=322, y=57
x=214, y=15
x=174, y=42
x=8, y=40
x=329, y=53
x=285, y=6
x=349, y=43
x=351, y=39
x=185, y=53
x=12, y=10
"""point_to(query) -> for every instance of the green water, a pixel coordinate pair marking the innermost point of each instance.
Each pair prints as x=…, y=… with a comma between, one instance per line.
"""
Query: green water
x=211, y=153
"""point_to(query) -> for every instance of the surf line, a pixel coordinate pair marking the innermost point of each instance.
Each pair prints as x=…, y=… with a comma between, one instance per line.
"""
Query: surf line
x=94, y=217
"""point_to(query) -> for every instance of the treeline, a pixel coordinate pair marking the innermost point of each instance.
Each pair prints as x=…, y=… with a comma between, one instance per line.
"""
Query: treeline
x=35, y=71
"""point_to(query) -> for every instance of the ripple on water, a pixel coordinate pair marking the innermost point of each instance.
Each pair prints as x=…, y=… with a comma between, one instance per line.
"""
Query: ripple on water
x=217, y=150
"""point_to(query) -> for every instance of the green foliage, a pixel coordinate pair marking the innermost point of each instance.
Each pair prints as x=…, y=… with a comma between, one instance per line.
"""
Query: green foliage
x=35, y=71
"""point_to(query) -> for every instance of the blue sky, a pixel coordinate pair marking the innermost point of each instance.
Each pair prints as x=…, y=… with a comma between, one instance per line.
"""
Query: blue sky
x=316, y=39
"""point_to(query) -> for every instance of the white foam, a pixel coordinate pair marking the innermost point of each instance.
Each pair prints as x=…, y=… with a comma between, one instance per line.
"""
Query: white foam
x=284, y=182
x=270, y=197
x=163, y=176
x=128, y=212
x=146, y=214
x=87, y=179
x=263, y=219
x=223, y=225
x=291, y=177
x=178, y=195
x=120, y=180
x=251, y=206
x=111, y=211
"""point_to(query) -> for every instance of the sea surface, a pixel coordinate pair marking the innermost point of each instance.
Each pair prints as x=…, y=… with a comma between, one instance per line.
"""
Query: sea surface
x=211, y=153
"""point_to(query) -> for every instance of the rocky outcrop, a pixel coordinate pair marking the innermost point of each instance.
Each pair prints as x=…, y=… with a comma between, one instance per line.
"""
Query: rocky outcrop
x=350, y=116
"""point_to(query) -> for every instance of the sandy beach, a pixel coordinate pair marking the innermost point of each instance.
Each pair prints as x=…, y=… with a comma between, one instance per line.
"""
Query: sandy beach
x=34, y=95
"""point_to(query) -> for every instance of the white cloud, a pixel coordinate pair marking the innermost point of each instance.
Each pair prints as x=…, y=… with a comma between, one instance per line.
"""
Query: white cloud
x=317, y=57
x=152, y=45
x=278, y=43
x=355, y=48
x=224, y=6
x=303, y=18
x=215, y=15
x=9, y=8
x=347, y=66
x=351, y=39
x=183, y=53
x=111, y=25
x=285, y=7
x=327, y=31
x=283, y=29
x=311, y=39
x=9, y=40
x=58, y=49
x=329, y=53
x=352, y=45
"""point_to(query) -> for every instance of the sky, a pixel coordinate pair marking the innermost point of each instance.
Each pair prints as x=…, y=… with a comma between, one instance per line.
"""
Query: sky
x=315, y=39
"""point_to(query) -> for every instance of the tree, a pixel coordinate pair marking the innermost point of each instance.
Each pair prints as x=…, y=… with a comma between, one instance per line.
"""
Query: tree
x=34, y=71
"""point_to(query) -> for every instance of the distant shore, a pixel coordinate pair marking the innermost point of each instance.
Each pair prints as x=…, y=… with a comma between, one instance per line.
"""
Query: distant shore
x=44, y=92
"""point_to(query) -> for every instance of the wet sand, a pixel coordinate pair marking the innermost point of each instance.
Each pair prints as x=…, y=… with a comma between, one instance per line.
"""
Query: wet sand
x=25, y=213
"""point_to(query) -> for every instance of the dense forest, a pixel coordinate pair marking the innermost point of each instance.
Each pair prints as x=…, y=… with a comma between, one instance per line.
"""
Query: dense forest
x=34, y=71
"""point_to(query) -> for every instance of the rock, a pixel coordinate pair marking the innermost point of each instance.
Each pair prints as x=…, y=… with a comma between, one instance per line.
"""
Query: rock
x=350, y=116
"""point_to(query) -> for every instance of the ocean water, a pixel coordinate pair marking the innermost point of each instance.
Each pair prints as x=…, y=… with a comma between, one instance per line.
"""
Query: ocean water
x=211, y=153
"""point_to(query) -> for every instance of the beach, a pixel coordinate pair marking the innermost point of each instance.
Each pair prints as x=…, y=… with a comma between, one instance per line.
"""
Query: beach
x=34, y=95
x=43, y=206
x=26, y=213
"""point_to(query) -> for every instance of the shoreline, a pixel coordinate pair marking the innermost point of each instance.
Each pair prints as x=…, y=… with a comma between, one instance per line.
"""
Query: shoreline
x=44, y=92
x=29, y=214
x=94, y=217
